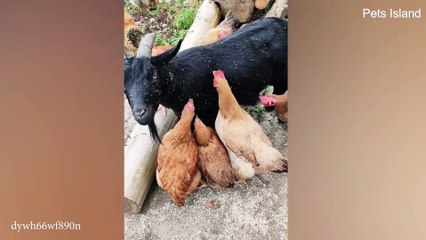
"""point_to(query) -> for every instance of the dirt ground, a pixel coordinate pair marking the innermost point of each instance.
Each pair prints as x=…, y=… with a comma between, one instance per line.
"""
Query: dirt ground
x=253, y=211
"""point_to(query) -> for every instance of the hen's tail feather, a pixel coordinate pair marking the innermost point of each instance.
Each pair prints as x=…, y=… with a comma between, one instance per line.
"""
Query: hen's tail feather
x=284, y=167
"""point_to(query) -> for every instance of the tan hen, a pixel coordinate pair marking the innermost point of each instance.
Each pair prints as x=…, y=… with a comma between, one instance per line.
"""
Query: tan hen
x=249, y=148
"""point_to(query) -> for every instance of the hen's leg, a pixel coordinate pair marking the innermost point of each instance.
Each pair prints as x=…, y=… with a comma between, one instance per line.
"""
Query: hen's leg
x=262, y=179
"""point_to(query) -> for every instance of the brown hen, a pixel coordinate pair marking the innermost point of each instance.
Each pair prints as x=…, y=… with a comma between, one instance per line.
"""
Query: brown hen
x=214, y=161
x=281, y=106
x=177, y=172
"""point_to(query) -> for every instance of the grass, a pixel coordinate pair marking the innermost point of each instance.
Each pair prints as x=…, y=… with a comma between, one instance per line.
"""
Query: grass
x=177, y=17
x=184, y=19
x=257, y=111
x=153, y=13
x=177, y=36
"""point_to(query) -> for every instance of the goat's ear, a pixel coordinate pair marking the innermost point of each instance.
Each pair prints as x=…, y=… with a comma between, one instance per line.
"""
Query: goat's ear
x=165, y=57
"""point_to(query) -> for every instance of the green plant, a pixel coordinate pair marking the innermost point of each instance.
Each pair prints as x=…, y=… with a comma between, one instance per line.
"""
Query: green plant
x=161, y=40
x=153, y=13
x=174, y=20
x=177, y=36
x=184, y=19
x=256, y=111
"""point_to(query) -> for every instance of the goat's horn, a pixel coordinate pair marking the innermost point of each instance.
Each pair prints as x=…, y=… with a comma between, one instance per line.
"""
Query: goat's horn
x=145, y=46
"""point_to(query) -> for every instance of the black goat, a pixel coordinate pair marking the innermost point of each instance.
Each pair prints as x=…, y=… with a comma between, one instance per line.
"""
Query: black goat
x=251, y=58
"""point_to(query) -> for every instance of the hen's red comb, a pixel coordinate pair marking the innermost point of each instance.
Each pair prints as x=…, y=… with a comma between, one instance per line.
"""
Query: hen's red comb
x=218, y=73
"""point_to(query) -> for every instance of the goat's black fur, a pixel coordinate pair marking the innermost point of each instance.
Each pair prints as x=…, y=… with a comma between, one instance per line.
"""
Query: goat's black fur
x=251, y=58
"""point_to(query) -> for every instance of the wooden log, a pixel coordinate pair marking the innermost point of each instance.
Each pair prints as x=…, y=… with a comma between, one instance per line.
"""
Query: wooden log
x=140, y=157
x=208, y=17
x=279, y=9
x=140, y=150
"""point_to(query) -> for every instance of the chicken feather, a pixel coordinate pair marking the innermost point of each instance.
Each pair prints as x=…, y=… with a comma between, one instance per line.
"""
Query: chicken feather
x=281, y=107
x=243, y=136
x=177, y=161
x=214, y=160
